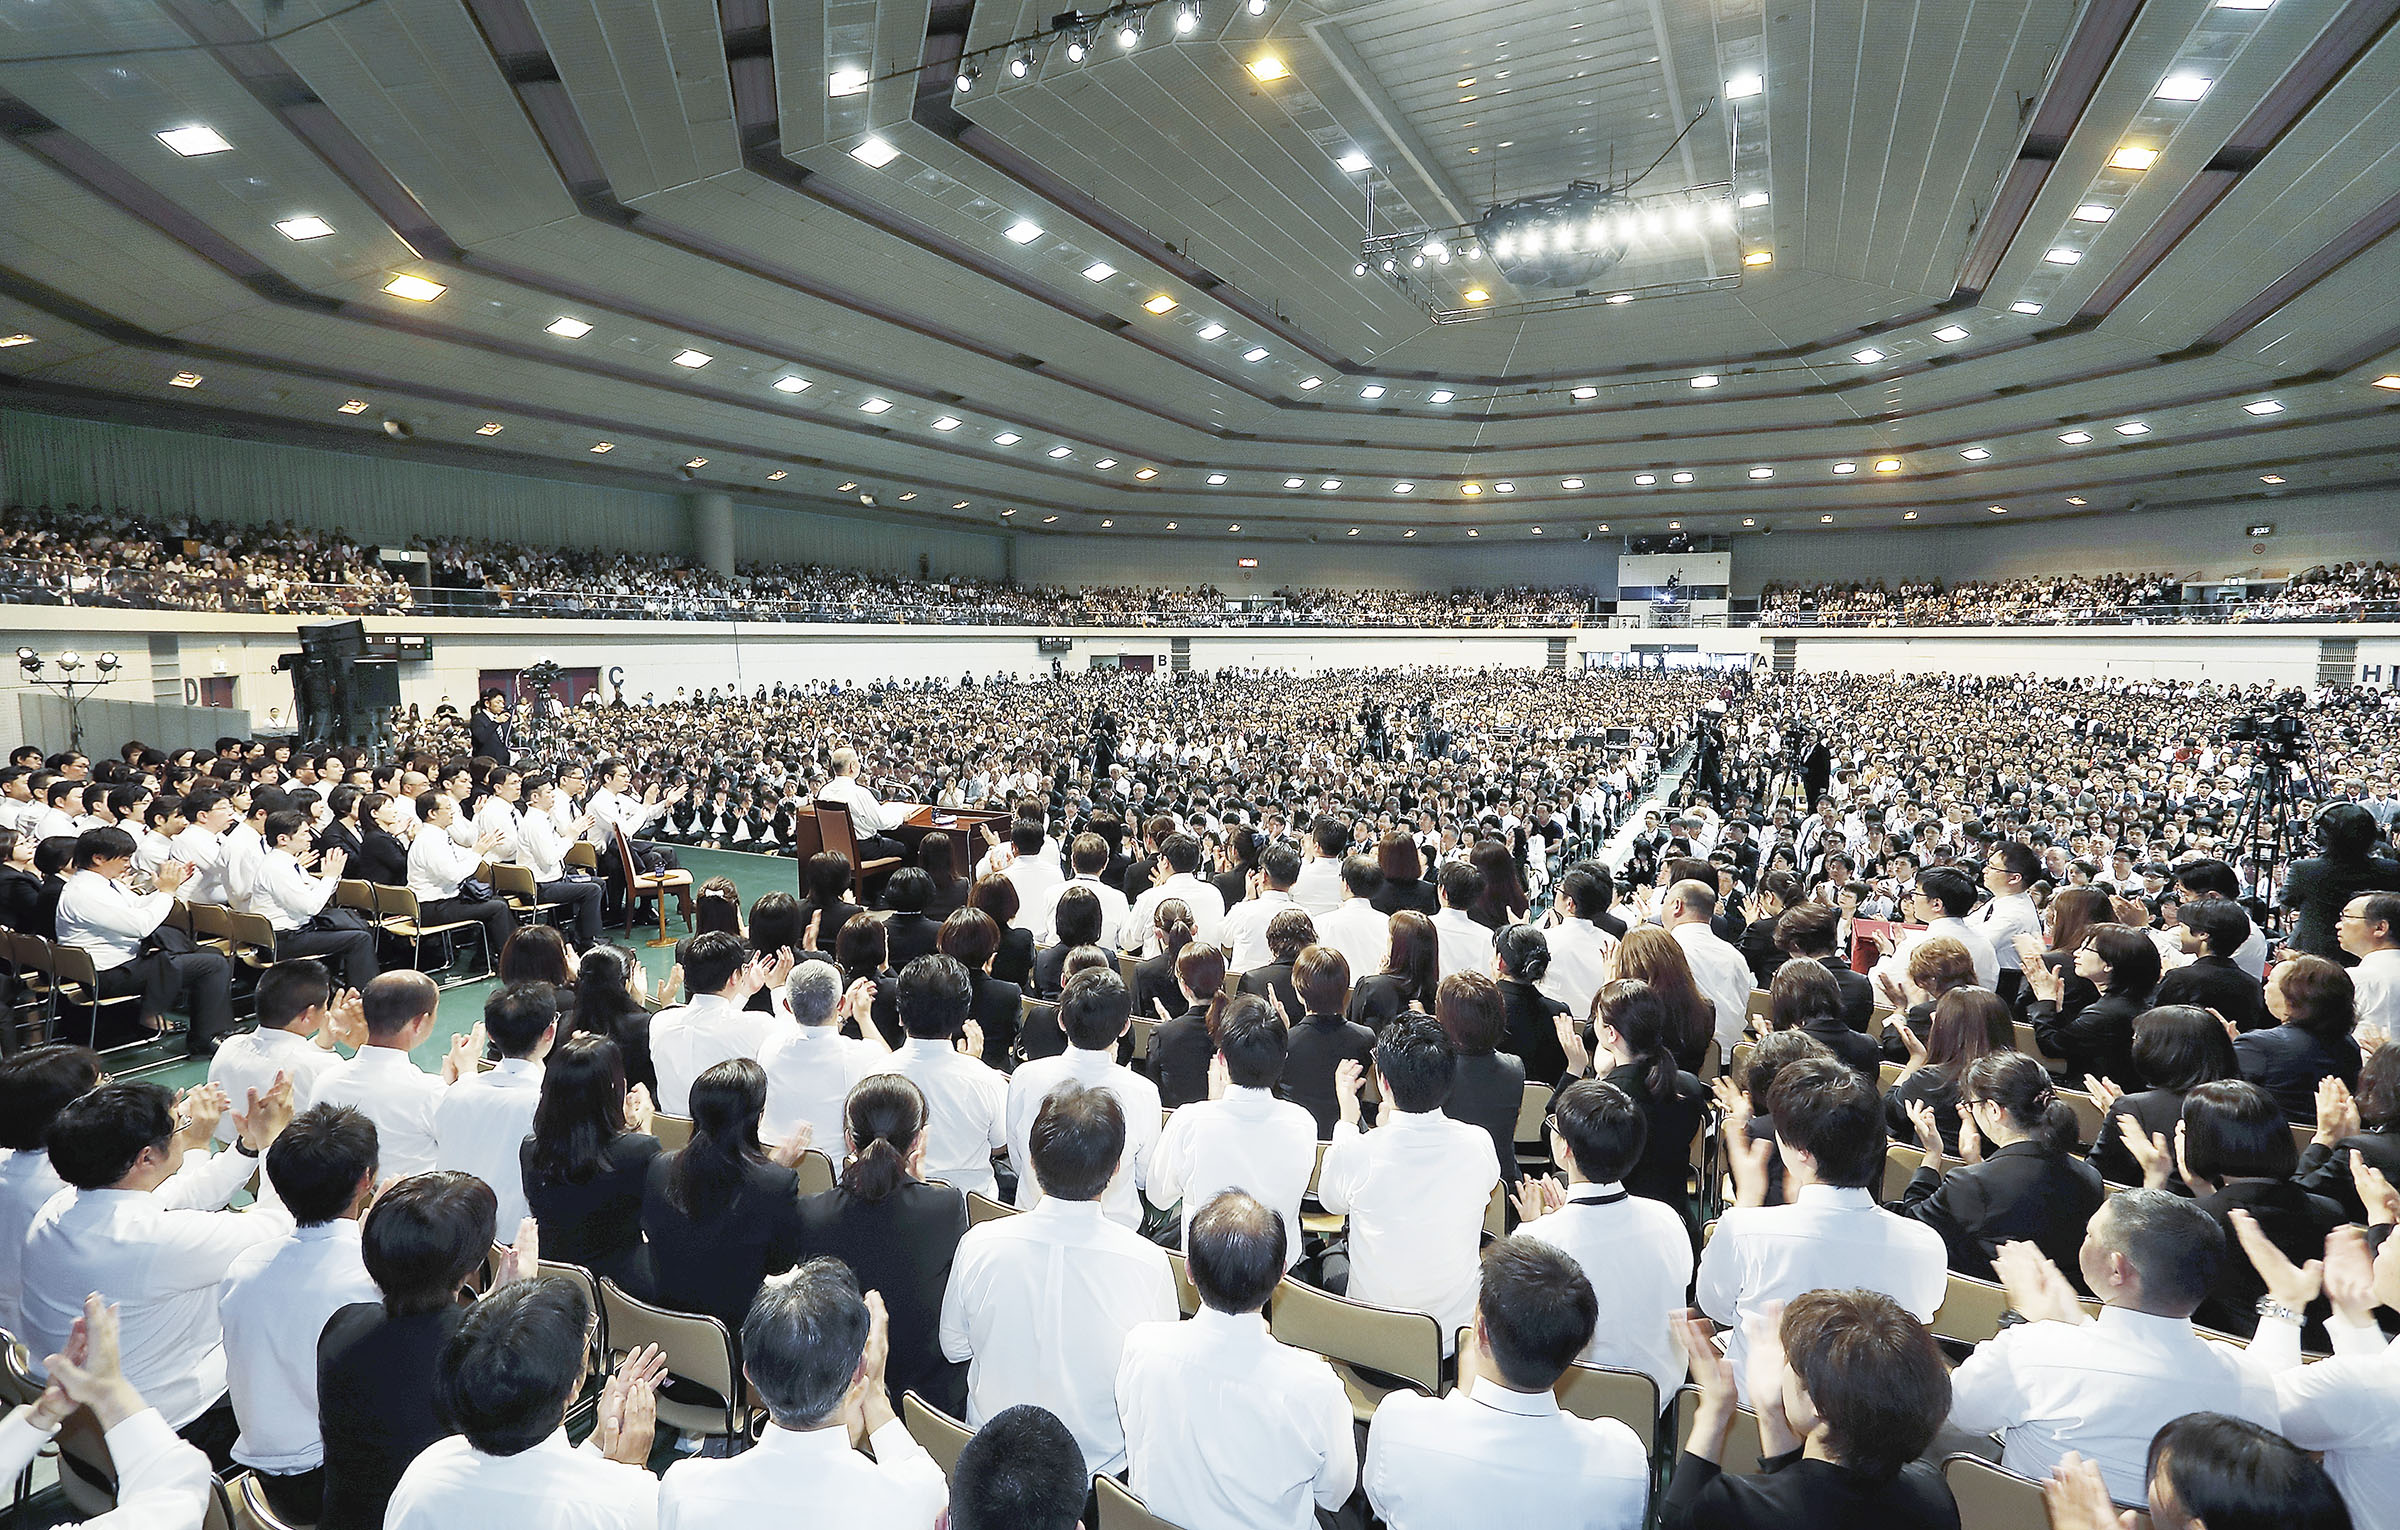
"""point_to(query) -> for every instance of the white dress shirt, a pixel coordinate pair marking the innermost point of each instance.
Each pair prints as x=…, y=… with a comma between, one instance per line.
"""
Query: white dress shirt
x=1827, y=1239
x=1987, y=961
x=1113, y=909
x=437, y=864
x=553, y=1486
x=1461, y=944
x=2347, y=1406
x=2376, y=982
x=1416, y=1189
x=162, y=1483
x=867, y=816
x=811, y=1070
x=274, y=1303
x=108, y=918
x=2101, y=1390
x=245, y=854
x=1579, y=953
x=496, y=816
x=1040, y=1305
x=1244, y=929
x=1202, y=898
x=541, y=846
x=399, y=1097
x=900, y=1489
x=161, y=1265
x=1037, y=879
x=966, y=1112
x=1136, y=1096
x=1226, y=1429
x=1638, y=1256
x=251, y=1060
x=288, y=896
x=693, y=1037
x=1319, y=889
x=27, y=1182
x=1497, y=1457
x=1362, y=935
x=1722, y=975
x=628, y=813
x=478, y=1125
x=205, y=854
x=1248, y=1141
x=151, y=850
x=2000, y=922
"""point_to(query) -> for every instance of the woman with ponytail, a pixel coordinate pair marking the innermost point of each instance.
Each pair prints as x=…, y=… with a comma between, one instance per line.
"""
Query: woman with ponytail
x=1520, y=959
x=1154, y=976
x=897, y=1233
x=1634, y=1027
x=1180, y=1048
x=2022, y=1177
x=720, y=1213
x=1411, y=975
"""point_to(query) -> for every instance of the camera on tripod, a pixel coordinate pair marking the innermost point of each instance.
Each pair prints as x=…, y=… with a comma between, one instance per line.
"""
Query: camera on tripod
x=2280, y=734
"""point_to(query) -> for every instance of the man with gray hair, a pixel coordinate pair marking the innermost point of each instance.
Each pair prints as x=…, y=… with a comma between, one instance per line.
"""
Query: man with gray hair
x=870, y=821
x=811, y=1066
x=815, y=1351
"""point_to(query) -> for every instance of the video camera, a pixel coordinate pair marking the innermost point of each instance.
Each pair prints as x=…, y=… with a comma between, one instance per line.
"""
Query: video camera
x=2280, y=733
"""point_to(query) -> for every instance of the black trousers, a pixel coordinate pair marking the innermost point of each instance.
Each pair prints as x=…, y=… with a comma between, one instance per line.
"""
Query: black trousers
x=349, y=953
x=581, y=901
x=297, y=1499
x=202, y=981
x=213, y=1434
x=492, y=913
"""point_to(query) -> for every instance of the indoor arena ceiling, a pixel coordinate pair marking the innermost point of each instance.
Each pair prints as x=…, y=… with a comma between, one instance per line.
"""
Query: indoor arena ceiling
x=1958, y=258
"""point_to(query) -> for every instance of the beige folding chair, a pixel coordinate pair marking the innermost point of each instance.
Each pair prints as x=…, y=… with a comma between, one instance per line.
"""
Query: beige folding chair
x=1120, y=1510
x=2029, y=1044
x=816, y=1172
x=212, y=927
x=1407, y=1345
x=1990, y=1497
x=1759, y=1010
x=1889, y=1074
x=1141, y=1036
x=982, y=1208
x=1187, y=1295
x=1495, y=1212
x=402, y=916
x=251, y=1511
x=524, y=894
x=253, y=940
x=2088, y=1115
x=591, y=1294
x=942, y=1436
x=583, y=855
x=833, y=823
x=640, y=884
x=1741, y=1444
x=672, y=1132
x=74, y=981
x=1900, y=1165
x=1609, y=1391
x=1970, y=1310
x=698, y=1349
x=219, y=1513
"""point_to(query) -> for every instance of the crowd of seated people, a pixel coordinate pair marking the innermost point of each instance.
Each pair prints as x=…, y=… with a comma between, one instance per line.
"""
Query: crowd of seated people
x=76, y=557
x=1373, y=949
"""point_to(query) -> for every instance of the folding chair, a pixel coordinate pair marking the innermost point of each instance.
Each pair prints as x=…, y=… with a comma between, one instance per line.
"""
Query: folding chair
x=219, y=1513
x=1320, y=1221
x=29, y=1003
x=524, y=895
x=2029, y=1044
x=1609, y=1391
x=1758, y=1011
x=1120, y=1510
x=1141, y=1037
x=401, y=916
x=1406, y=1345
x=2089, y=1116
x=1990, y=1497
x=1889, y=1074
x=1495, y=1212
x=942, y=1436
x=1900, y=1165
x=982, y=1208
x=697, y=1348
x=1741, y=1444
x=833, y=823
x=672, y=1132
x=253, y=937
x=1532, y=1107
x=1187, y=1295
x=583, y=855
x=1971, y=1309
x=212, y=927
x=654, y=885
x=816, y=1172
x=251, y=1511
x=73, y=980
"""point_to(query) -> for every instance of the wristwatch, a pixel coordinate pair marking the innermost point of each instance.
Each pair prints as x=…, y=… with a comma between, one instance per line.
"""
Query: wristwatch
x=2269, y=1307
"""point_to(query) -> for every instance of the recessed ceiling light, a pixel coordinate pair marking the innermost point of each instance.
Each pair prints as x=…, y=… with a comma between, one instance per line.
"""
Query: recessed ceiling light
x=1024, y=231
x=1062, y=451
x=1620, y=297
x=1824, y=520
x=1105, y=463
x=1997, y=509
x=1307, y=383
x=845, y=486
x=1867, y=357
x=958, y=504
x=1887, y=465
x=184, y=380
x=1330, y=484
x=567, y=329
x=2387, y=380
x=2076, y=437
x=1236, y=526
x=190, y=142
x=1645, y=479
x=1584, y=393
x=2132, y=157
x=352, y=406
x=875, y=406
x=306, y=226
x=1005, y=514
x=1291, y=483
x=1160, y=304
x=1477, y=295
x=1104, y=525
x=1404, y=488
x=1047, y=519
x=2022, y=307
x=790, y=384
x=599, y=447
x=2244, y=5
x=1470, y=489
x=2093, y=212
x=701, y=462
x=697, y=359
x=1746, y=520
x=1353, y=531
x=1145, y=473
x=1975, y=454
x=1504, y=488
x=2133, y=428
x=490, y=428
x=1908, y=515
x=1762, y=472
x=1440, y=396
x=1950, y=334
x=1255, y=353
x=19, y=338
x=1743, y=86
x=1007, y=438
x=846, y=82
x=777, y=476
x=946, y=422
x=1537, y=531
x=1216, y=478
x=1267, y=67
x=1471, y=531
x=1705, y=380
x=2270, y=478
x=1371, y=390
x=414, y=288
x=1754, y=199
x=1099, y=271
x=1604, y=525
x=1682, y=478
x=1845, y=467
x=1211, y=330
x=1570, y=483
x=2060, y=255
x=2263, y=406
x=2183, y=87
x=2074, y=499
x=873, y=152
x=1353, y=162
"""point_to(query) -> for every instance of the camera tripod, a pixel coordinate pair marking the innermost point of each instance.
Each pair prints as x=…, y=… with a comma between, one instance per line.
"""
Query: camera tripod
x=2274, y=813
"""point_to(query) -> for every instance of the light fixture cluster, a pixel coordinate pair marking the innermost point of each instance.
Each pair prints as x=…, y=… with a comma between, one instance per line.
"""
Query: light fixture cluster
x=1123, y=25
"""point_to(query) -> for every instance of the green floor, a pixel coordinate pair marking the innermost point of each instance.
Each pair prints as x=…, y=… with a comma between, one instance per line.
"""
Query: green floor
x=753, y=876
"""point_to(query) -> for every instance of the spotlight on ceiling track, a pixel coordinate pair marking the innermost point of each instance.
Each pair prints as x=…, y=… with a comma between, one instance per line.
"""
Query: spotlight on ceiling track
x=1187, y=19
x=1129, y=32
x=1021, y=66
x=967, y=78
x=1258, y=7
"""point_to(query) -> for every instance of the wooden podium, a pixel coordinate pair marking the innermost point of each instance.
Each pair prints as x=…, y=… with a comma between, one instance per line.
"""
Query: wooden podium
x=963, y=825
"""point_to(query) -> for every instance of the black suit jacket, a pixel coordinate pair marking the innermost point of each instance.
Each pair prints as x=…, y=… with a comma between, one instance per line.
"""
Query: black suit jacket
x=2097, y=1039
x=1860, y=1052
x=1274, y=981
x=2215, y=982
x=2325, y=1170
x=715, y=1264
x=1419, y=895
x=382, y=859
x=1153, y=985
x=20, y=901
x=1757, y=945
x=1791, y=1492
x=1047, y=964
x=995, y=1012
x=1487, y=1090
x=2021, y=1192
x=1014, y=963
x=1532, y=1035
x=909, y=936
x=375, y=1389
x=2153, y=1112
x=1858, y=994
x=1667, y=1153
x=2295, y=1222
x=1179, y=1054
x=597, y=1224
x=489, y=738
x=1378, y=999
x=901, y=1246
x=1320, y=1044
x=2287, y=1062
x=338, y=835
